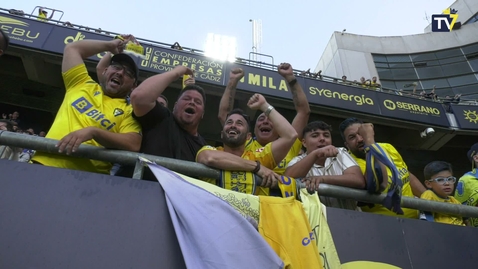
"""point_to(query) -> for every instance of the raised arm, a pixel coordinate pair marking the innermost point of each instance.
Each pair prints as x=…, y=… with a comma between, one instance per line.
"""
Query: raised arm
x=75, y=53
x=227, y=99
x=143, y=98
x=368, y=134
x=102, y=65
x=287, y=133
x=299, y=98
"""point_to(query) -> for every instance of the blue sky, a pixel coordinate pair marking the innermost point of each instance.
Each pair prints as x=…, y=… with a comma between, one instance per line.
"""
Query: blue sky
x=293, y=31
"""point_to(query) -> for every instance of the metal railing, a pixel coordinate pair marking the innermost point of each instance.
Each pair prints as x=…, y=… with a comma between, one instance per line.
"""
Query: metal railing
x=198, y=170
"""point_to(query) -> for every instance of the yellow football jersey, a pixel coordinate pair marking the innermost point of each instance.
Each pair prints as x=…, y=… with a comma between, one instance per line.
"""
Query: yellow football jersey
x=263, y=155
x=404, y=176
x=443, y=218
x=85, y=105
x=253, y=145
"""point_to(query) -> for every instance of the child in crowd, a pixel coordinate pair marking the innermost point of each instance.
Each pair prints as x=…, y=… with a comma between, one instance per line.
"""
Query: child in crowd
x=440, y=183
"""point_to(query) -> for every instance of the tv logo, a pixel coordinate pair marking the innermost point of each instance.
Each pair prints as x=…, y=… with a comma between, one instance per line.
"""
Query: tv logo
x=444, y=22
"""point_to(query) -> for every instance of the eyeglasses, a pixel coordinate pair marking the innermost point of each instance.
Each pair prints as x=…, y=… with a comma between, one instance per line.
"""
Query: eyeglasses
x=127, y=70
x=442, y=180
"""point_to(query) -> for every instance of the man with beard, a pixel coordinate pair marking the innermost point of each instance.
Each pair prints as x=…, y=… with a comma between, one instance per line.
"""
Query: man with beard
x=324, y=163
x=357, y=136
x=166, y=134
x=265, y=130
x=235, y=157
x=98, y=115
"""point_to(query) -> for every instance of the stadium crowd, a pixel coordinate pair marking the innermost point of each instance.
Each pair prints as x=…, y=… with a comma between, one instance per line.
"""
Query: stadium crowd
x=118, y=112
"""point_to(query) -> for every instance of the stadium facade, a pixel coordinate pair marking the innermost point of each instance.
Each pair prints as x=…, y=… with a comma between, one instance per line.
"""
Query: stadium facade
x=448, y=60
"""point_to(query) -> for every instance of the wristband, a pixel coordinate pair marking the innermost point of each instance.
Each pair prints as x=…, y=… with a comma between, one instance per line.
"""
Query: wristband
x=292, y=82
x=258, y=167
x=268, y=110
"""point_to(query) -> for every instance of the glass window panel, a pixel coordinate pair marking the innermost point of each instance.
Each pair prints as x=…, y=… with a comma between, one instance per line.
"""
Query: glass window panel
x=406, y=85
x=433, y=63
x=381, y=65
x=468, y=89
x=387, y=84
x=400, y=65
x=429, y=72
x=384, y=73
x=453, y=60
x=474, y=64
x=405, y=73
x=423, y=57
x=462, y=80
x=379, y=58
x=439, y=83
x=470, y=49
x=442, y=93
x=448, y=53
x=404, y=58
x=456, y=69
x=472, y=19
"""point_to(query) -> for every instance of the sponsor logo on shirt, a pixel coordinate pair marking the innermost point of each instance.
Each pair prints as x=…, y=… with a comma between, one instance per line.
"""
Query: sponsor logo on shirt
x=460, y=188
x=118, y=112
x=84, y=106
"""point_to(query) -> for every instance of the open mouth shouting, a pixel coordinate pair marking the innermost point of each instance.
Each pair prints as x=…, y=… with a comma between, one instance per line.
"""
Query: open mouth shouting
x=265, y=130
x=115, y=81
x=190, y=111
x=232, y=132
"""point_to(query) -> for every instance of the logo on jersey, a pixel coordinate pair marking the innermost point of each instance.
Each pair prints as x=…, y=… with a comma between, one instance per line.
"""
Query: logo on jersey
x=118, y=112
x=84, y=106
x=460, y=188
x=96, y=93
x=260, y=150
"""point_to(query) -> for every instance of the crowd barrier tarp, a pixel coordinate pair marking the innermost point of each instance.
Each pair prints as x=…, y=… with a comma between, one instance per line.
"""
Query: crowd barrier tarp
x=52, y=38
x=57, y=218
x=466, y=116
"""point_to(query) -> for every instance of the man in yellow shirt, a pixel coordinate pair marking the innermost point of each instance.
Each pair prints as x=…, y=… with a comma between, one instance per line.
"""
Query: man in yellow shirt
x=356, y=139
x=235, y=157
x=91, y=113
x=265, y=130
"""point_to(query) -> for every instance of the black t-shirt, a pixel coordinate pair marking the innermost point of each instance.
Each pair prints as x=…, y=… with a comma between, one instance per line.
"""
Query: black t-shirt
x=162, y=136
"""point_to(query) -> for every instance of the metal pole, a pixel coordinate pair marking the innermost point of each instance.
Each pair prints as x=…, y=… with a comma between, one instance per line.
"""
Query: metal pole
x=407, y=202
x=199, y=170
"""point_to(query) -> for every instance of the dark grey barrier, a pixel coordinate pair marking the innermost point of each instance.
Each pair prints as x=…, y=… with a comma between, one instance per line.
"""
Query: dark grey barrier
x=57, y=218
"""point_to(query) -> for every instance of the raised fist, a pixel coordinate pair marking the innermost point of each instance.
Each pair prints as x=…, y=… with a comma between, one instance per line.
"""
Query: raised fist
x=285, y=70
x=236, y=74
x=257, y=102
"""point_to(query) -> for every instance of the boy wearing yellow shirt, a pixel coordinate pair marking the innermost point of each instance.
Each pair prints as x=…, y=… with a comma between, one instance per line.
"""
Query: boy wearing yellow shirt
x=440, y=182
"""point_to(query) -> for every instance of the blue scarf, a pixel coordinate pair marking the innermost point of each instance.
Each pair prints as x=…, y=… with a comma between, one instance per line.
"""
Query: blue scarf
x=374, y=176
